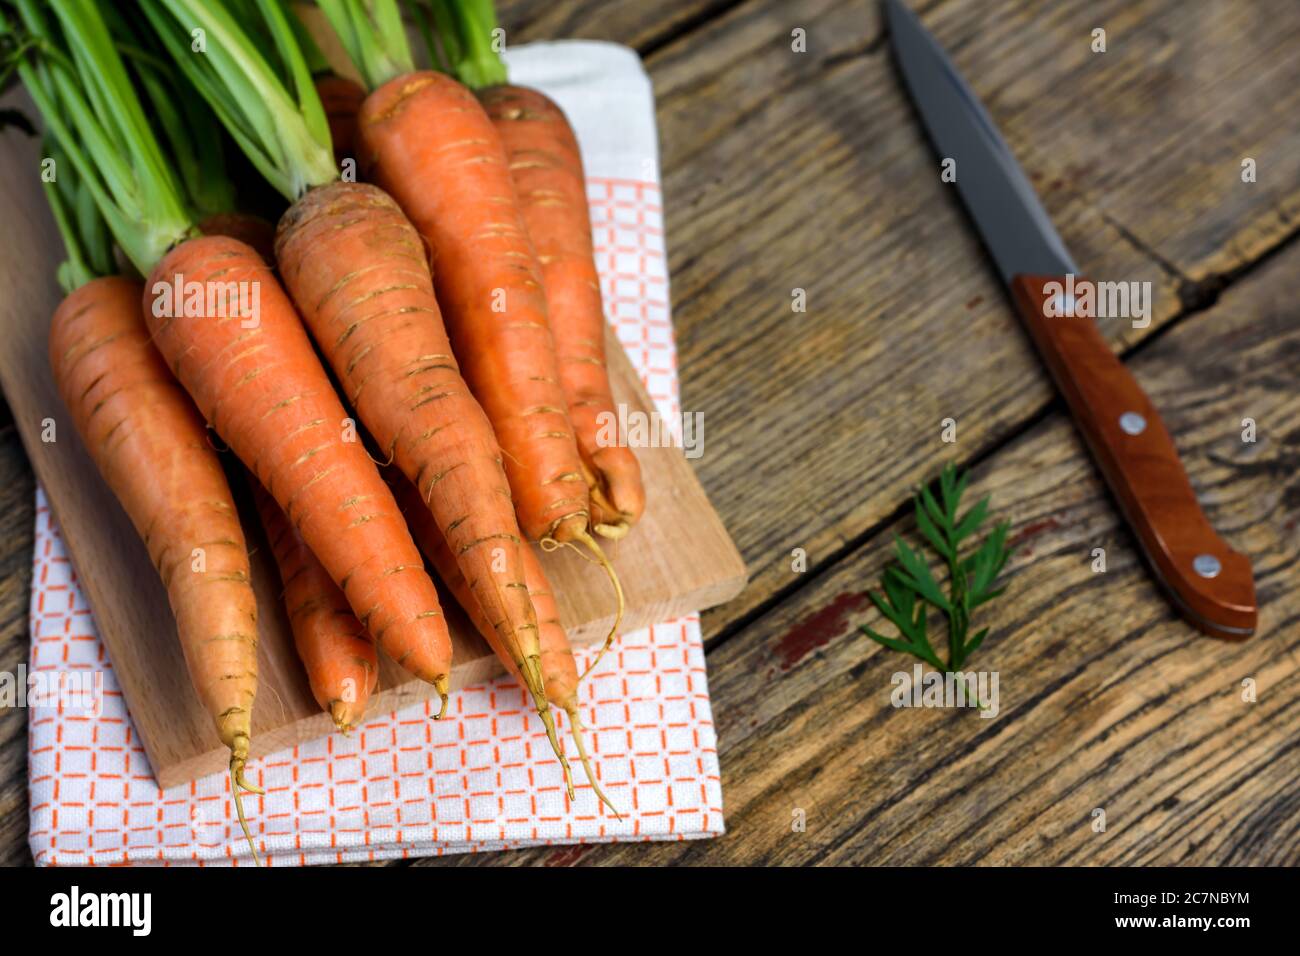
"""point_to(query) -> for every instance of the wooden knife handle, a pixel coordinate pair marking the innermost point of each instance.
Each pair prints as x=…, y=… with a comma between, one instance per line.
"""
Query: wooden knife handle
x=1210, y=583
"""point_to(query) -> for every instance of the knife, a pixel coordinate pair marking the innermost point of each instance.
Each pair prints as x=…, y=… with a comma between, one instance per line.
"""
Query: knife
x=1209, y=583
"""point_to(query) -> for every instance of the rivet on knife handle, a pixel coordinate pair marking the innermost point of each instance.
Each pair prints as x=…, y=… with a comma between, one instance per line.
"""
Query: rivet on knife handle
x=1210, y=583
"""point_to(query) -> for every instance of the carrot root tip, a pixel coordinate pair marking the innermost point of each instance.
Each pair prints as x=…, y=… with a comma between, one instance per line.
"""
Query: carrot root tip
x=237, y=784
x=342, y=715
x=590, y=543
x=612, y=531
x=576, y=730
x=607, y=529
x=532, y=672
x=443, y=686
x=597, y=556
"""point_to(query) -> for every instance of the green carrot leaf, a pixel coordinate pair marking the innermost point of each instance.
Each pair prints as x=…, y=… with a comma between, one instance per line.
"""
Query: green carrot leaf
x=971, y=521
x=975, y=642
x=909, y=586
x=935, y=513
x=918, y=576
x=932, y=534
x=900, y=620
x=889, y=642
x=374, y=37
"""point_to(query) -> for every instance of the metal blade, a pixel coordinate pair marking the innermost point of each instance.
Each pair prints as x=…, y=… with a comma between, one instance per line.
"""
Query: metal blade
x=1011, y=220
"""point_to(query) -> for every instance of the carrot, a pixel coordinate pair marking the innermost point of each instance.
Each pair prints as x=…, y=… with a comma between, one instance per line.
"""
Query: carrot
x=152, y=448
x=546, y=168
x=559, y=670
x=256, y=378
x=266, y=394
x=426, y=140
x=357, y=268
x=337, y=652
x=143, y=433
x=357, y=271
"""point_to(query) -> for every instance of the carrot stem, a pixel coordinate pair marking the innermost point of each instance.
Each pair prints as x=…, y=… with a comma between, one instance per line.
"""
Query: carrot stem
x=373, y=36
x=82, y=90
x=467, y=31
x=85, y=236
x=275, y=116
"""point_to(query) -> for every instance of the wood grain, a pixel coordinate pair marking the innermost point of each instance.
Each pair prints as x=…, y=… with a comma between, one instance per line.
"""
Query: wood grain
x=17, y=488
x=810, y=171
x=787, y=170
x=1107, y=698
x=665, y=573
x=634, y=23
x=823, y=190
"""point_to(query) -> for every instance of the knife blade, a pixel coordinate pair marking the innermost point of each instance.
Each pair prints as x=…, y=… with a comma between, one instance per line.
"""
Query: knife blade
x=1209, y=583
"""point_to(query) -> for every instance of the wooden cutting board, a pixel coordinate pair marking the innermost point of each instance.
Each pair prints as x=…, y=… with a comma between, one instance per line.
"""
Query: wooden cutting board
x=678, y=559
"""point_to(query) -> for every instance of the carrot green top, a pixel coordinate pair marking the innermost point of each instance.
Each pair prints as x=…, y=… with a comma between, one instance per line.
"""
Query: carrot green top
x=246, y=59
x=81, y=87
x=468, y=40
x=110, y=174
x=86, y=238
x=190, y=132
x=373, y=36
x=460, y=34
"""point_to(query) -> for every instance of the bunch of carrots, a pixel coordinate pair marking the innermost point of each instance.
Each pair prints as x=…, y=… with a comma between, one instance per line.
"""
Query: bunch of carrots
x=449, y=301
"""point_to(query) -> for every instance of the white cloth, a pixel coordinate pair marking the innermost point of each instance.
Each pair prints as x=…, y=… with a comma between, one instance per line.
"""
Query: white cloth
x=403, y=785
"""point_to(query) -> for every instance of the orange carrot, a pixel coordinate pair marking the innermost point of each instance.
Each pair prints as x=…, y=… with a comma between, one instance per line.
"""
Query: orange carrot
x=356, y=267
x=358, y=272
x=546, y=168
x=258, y=382
x=428, y=142
x=559, y=670
x=152, y=448
x=337, y=652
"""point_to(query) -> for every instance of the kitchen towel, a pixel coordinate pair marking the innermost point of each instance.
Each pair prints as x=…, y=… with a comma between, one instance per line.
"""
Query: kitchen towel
x=403, y=785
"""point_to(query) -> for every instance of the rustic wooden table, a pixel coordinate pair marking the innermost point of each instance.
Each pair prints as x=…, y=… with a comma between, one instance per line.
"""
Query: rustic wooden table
x=807, y=170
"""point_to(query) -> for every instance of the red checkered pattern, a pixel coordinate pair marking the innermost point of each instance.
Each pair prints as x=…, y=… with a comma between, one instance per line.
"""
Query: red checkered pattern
x=402, y=785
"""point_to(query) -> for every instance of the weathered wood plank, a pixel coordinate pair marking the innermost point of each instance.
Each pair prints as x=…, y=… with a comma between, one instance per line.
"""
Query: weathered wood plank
x=1107, y=699
x=635, y=23
x=16, y=528
x=809, y=171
